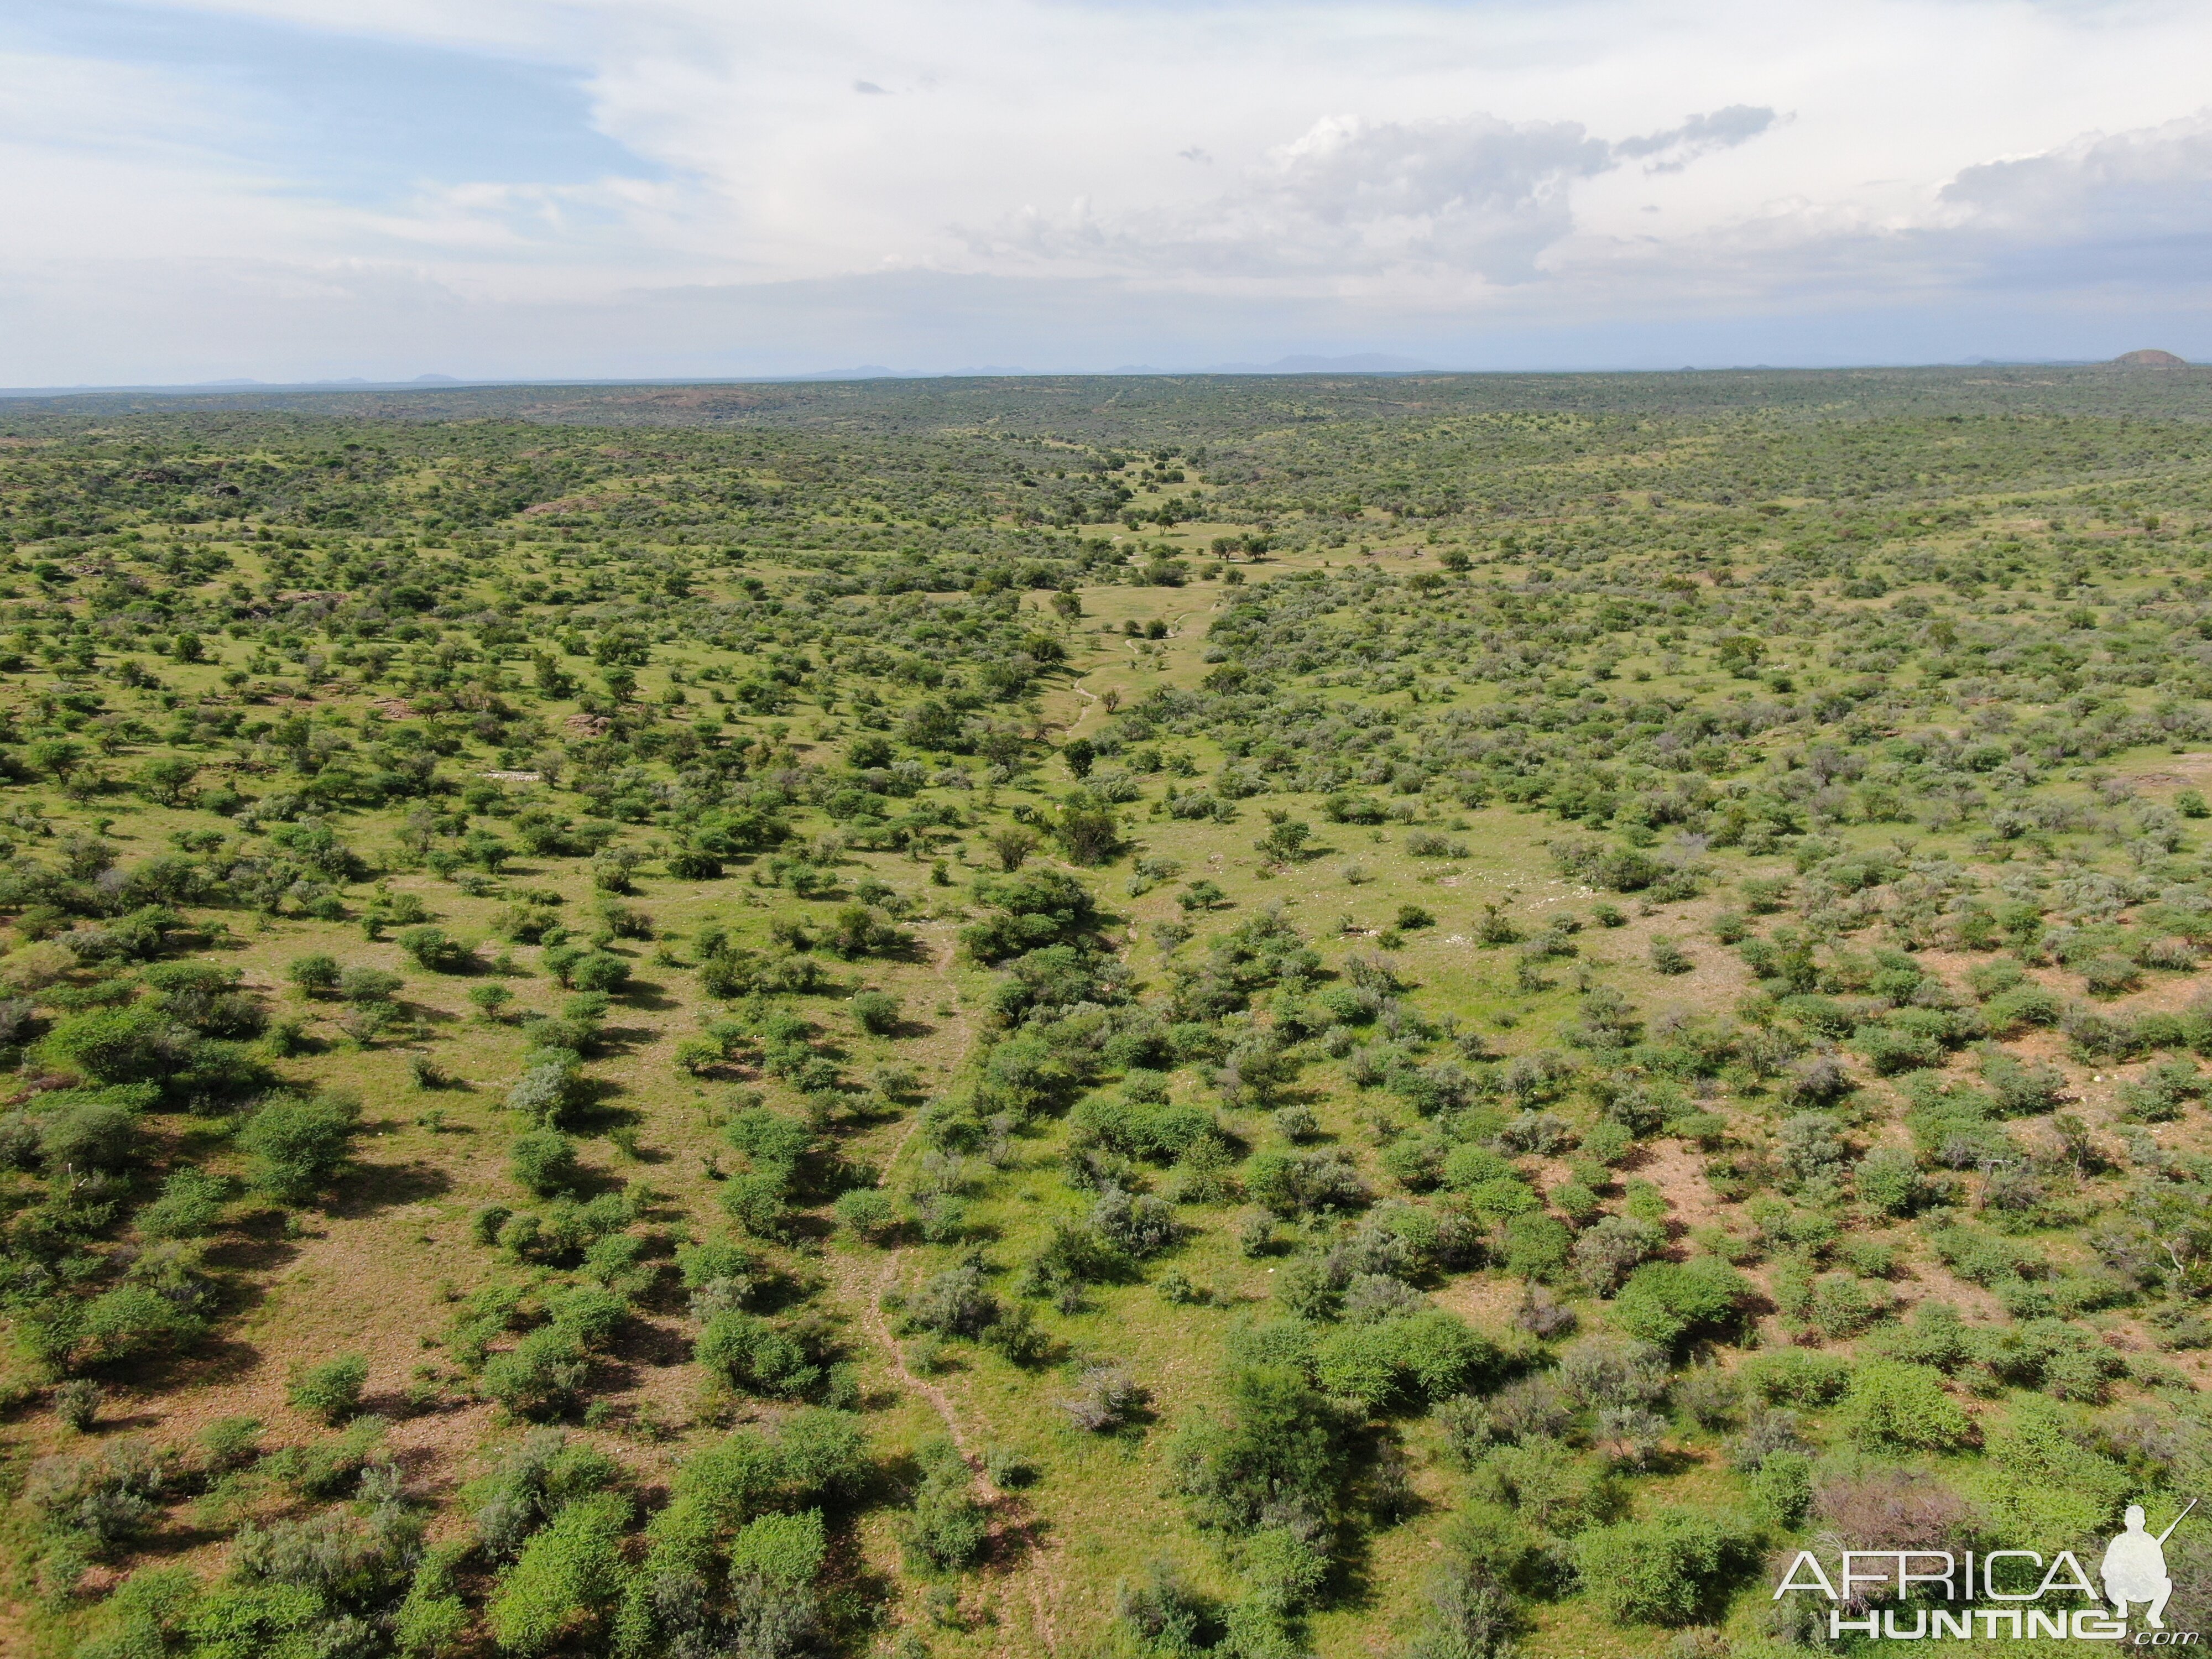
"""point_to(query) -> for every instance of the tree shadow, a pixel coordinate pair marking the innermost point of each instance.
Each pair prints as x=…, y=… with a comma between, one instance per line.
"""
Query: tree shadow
x=256, y=1244
x=621, y=1039
x=376, y=1187
x=644, y=1343
x=214, y=1359
x=855, y=1114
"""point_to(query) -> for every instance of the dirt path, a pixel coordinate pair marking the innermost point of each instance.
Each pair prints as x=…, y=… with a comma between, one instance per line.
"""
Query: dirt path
x=1018, y=1537
x=1090, y=702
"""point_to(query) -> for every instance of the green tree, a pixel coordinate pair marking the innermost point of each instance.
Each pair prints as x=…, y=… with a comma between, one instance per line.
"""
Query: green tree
x=875, y=1012
x=164, y=780
x=300, y=1146
x=545, y=1161
x=1664, y=1302
x=58, y=757
x=1895, y=1407
x=136, y=1044
x=1086, y=829
x=1675, y=1568
x=1280, y=1446
x=313, y=975
x=566, y=1579
x=432, y=949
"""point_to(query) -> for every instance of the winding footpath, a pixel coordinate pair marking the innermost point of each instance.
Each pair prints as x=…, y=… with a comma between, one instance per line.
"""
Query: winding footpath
x=1018, y=1546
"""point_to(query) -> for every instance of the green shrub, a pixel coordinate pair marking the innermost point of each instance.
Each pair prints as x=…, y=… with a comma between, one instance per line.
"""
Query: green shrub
x=1511, y=1196
x=597, y=970
x=313, y=975
x=875, y=1012
x=544, y=1161
x=191, y=1205
x=1934, y=1336
x=592, y=1314
x=1797, y=1378
x=301, y=1145
x=1426, y=1356
x=1782, y=1488
x=947, y=1530
x=433, y=1617
x=130, y=1322
x=85, y=1135
x=1890, y=1050
x=434, y=950
x=364, y=987
x=1577, y=1202
x=331, y=1390
x=146, y=1612
x=866, y=1212
x=566, y=1579
x=1279, y=1448
x=1983, y=1258
x=756, y=1356
x=2022, y=1088
x=2012, y=1010
x=756, y=1203
x=542, y=1376
x=1469, y=1166
x=1891, y=1407
x=529, y=1483
x=240, y=1619
x=136, y=1044
x=1664, y=1302
x=1292, y=1183
x=1842, y=1307
x=2109, y=975
x=1676, y=1568
x=1537, y=1246
x=2044, y=1487
x=1888, y=1178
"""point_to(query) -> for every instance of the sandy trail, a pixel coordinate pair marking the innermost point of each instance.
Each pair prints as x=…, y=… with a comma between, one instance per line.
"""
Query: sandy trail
x=1016, y=1535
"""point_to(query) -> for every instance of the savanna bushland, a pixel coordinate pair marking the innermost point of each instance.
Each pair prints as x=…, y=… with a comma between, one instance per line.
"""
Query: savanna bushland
x=1436, y=1016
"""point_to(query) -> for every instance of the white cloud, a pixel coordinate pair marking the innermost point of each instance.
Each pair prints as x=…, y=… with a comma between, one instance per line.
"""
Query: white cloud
x=1347, y=196
x=1701, y=135
x=1401, y=176
x=2124, y=188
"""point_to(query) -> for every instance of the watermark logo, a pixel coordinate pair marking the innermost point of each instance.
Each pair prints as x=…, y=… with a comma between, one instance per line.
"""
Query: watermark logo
x=2132, y=1575
x=2134, y=1568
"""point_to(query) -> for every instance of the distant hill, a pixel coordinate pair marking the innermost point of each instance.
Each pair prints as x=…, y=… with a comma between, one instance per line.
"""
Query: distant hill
x=1364, y=362
x=2149, y=358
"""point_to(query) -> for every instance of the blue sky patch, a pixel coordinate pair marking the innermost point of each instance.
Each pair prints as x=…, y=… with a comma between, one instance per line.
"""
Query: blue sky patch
x=349, y=118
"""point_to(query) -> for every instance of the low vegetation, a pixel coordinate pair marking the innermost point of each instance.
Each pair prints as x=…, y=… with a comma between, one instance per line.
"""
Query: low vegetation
x=1442, y=1016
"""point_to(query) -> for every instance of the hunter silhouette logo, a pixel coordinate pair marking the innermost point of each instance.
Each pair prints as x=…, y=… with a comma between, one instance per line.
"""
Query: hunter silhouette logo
x=1928, y=1587
x=2134, y=1568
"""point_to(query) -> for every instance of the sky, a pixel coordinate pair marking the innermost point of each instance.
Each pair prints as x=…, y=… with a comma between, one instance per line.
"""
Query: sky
x=295, y=189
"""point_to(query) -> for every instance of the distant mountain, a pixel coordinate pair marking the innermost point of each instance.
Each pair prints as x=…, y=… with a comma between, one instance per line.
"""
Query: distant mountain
x=2150, y=358
x=1362, y=362
x=433, y=380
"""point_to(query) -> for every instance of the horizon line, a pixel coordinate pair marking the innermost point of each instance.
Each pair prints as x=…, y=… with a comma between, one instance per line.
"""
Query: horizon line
x=429, y=383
